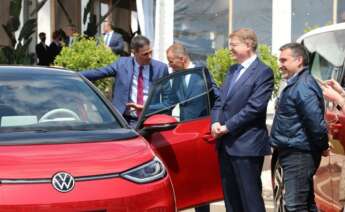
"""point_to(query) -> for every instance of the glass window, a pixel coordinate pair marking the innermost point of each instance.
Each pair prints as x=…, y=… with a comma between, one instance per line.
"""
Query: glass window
x=51, y=103
x=341, y=11
x=310, y=14
x=257, y=16
x=321, y=68
x=201, y=26
x=183, y=95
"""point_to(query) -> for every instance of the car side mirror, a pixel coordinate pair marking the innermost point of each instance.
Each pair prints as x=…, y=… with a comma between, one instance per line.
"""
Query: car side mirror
x=159, y=122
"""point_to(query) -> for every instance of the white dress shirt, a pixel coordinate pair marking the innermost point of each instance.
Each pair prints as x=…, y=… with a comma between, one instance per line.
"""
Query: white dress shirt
x=246, y=65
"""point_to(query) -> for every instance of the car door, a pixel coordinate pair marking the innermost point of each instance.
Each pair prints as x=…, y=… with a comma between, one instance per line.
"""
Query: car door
x=176, y=122
x=329, y=183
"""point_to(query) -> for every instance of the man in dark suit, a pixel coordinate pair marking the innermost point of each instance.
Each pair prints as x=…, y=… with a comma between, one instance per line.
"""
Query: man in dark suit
x=186, y=89
x=55, y=47
x=239, y=124
x=42, y=50
x=112, y=39
x=133, y=78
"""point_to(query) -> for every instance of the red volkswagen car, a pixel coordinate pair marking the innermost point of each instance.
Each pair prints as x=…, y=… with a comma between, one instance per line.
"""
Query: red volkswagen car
x=63, y=147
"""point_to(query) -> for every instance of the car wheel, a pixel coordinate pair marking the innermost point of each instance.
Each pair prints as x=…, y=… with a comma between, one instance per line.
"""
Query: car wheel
x=278, y=188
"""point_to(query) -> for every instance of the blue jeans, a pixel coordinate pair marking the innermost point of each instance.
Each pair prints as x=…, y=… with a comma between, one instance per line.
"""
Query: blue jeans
x=298, y=171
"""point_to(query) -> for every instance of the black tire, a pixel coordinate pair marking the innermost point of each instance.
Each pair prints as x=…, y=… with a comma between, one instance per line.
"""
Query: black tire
x=278, y=187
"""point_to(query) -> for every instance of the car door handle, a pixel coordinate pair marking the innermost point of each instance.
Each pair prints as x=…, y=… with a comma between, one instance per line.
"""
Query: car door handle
x=209, y=138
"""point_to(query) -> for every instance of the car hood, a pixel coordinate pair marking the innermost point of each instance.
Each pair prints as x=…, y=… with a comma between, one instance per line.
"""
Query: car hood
x=78, y=159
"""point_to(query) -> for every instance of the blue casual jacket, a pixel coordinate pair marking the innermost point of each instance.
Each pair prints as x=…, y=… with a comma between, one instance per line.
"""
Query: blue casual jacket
x=299, y=120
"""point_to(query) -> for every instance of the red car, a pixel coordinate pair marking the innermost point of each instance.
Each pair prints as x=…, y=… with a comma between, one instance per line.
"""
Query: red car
x=63, y=147
x=327, y=50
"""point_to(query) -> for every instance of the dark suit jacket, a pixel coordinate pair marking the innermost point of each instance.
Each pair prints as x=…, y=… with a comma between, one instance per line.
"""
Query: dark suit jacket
x=42, y=54
x=53, y=51
x=122, y=70
x=243, y=111
x=192, y=105
x=116, y=43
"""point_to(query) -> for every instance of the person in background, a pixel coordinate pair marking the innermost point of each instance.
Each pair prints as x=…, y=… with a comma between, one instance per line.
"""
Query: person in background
x=239, y=124
x=71, y=32
x=42, y=50
x=133, y=78
x=112, y=39
x=55, y=47
x=299, y=133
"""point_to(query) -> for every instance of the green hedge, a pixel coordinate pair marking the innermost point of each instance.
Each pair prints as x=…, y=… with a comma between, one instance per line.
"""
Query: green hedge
x=87, y=53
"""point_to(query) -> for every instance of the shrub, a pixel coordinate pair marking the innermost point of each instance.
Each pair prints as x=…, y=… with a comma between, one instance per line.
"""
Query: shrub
x=219, y=63
x=87, y=53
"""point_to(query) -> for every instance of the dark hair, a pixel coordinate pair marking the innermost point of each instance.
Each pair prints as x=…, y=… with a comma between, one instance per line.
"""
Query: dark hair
x=42, y=35
x=138, y=42
x=298, y=50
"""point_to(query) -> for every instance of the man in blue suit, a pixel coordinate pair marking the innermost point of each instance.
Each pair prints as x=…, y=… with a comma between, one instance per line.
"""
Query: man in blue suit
x=239, y=124
x=133, y=78
x=186, y=89
x=112, y=39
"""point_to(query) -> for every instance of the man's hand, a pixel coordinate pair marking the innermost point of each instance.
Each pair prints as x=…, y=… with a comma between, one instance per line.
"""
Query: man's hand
x=137, y=107
x=326, y=152
x=218, y=130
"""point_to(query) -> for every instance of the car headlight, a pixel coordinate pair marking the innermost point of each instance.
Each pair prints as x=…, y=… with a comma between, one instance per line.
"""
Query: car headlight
x=146, y=173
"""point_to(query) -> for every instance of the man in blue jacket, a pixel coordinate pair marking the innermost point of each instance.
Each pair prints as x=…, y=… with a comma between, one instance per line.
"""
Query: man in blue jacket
x=133, y=78
x=299, y=132
x=239, y=124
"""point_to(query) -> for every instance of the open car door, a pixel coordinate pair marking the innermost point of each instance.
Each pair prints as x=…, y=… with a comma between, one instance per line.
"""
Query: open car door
x=176, y=122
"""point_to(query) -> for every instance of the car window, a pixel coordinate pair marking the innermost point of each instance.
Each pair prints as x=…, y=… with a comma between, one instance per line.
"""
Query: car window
x=51, y=103
x=323, y=69
x=183, y=95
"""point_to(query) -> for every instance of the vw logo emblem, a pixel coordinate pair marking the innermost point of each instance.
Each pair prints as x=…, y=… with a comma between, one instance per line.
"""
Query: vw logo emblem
x=63, y=182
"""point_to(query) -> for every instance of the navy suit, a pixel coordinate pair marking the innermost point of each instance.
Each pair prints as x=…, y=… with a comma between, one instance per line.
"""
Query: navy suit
x=242, y=150
x=191, y=107
x=42, y=54
x=122, y=70
x=116, y=43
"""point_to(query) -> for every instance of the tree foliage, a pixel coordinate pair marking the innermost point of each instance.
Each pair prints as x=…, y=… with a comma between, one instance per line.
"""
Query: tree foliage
x=222, y=59
x=87, y=53
x=18, y=50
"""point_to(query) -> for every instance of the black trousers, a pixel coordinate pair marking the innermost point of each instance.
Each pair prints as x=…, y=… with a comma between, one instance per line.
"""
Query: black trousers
x=241, y=182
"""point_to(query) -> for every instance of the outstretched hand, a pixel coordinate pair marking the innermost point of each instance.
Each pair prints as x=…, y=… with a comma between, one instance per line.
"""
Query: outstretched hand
x=135, y=106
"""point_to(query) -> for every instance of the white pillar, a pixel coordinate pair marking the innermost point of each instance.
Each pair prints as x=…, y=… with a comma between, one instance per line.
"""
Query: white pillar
x=164, y=28
x=44, y=21
x=83, y=27
x=281, y=24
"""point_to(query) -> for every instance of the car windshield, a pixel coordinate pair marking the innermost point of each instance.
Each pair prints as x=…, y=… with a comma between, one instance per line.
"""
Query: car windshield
x=51, y=102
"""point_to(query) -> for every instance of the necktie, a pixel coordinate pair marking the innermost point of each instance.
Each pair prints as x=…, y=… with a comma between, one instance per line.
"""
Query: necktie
x=234, y=78
x=106, y=40
x=140, y=88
